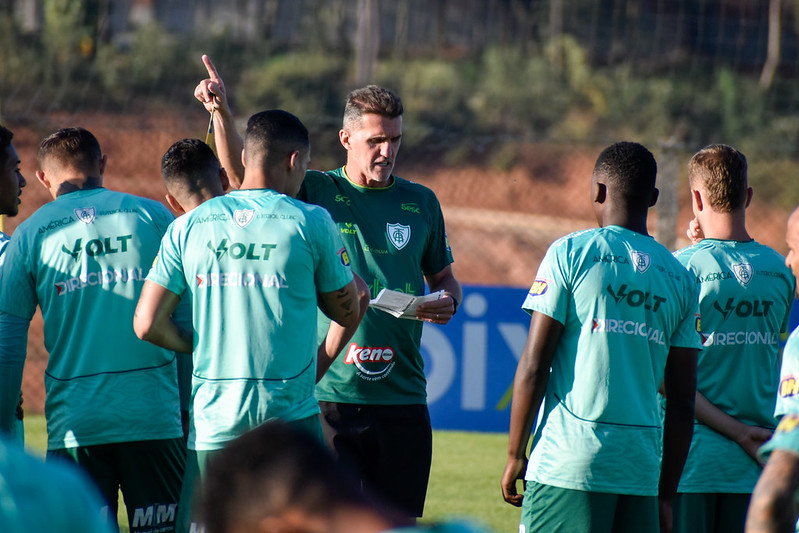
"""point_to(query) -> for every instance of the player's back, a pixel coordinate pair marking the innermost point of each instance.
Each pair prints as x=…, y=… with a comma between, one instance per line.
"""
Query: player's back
x=746, y=293
x=253, y=262
x=624, y=301
x=83, y=259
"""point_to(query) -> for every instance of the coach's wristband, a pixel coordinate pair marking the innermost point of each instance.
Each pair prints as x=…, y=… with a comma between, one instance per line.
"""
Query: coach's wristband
x=455, y=302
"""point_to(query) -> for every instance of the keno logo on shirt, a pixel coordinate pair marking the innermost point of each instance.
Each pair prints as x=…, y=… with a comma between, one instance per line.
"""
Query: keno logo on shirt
x=373, y=363
x=399, y=235
x=86, y=214
x=242, y=217
x=641, y=261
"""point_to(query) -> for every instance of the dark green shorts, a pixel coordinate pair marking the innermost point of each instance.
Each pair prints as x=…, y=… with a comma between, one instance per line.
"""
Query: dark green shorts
x=710, y=512
x=149, y=473
x=548, y=509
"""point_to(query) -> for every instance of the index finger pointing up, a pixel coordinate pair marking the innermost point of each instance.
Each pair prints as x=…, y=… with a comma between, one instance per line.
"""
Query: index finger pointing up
x=209, y=66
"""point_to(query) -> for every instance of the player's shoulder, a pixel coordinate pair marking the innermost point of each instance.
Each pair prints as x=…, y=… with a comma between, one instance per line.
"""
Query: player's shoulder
x=413, y=187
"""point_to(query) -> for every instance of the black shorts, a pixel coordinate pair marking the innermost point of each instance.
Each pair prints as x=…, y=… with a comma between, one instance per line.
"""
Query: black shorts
x=149, y=473
x=389, y=447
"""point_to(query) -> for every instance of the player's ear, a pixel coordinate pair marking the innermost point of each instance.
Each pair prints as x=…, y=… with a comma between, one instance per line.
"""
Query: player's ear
x=600, y=192
x=654, y=200
x=103, y=163
x=696, y=198
x=344, y=137
x=223, y=179
x=174, y=204
x=749, y=194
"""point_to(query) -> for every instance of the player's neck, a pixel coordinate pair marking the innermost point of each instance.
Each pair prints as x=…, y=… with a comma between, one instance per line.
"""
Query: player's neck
x=725, y=226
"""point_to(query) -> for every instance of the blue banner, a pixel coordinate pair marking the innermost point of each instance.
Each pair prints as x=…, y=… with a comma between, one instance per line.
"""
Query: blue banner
x=470, y=362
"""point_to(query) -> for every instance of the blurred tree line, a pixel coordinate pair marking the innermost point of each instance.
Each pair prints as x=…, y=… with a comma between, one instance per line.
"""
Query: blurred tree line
x=478, y=77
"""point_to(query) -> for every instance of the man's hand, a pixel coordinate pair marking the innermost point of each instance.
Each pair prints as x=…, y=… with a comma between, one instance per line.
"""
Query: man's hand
x=211, y=91
x=438, y=311
x=752, y=439
x=514, y=471
x=694, y=232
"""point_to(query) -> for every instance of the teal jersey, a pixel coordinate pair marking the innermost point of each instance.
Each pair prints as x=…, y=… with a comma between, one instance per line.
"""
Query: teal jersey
x=788, y=392
x=745, y=298
x=39, y=497
x=624, y=301
x=786, y=437
x=251, y=263
x=394, y=237
x=83, y=259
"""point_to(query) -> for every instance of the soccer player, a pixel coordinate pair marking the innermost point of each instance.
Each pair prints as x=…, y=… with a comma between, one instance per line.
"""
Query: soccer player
x=773, y=505
x=112, y=400
x=11, y=184
x=373, y=397
x=613, y=314
x=255, y=262
x=745, y=298
x=192, y=175
x=275, y=478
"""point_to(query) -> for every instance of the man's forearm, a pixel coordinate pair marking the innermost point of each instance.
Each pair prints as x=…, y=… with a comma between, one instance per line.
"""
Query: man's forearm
x=13, y=349
x=229, y=146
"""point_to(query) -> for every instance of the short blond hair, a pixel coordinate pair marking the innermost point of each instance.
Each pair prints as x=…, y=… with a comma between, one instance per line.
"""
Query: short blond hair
x=721, y=171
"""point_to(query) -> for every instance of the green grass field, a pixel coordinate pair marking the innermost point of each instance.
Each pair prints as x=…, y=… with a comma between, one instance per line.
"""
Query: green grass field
x=464, y=482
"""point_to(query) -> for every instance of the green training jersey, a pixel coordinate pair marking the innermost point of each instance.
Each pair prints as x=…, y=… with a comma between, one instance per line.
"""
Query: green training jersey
x=251, y=262
x=788, y=392
x=83, y=259
x=394, y=237
x=624, y=301
x=745, y=297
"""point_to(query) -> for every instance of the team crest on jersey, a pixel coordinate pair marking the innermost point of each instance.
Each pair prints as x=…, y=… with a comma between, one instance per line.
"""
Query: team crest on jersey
x=86, y=214
x=641, y=261
x=242, y=217
x=743, y=272
x=398, y=234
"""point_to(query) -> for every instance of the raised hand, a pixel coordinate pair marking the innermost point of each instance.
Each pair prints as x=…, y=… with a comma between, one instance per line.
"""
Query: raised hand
x=211, y=91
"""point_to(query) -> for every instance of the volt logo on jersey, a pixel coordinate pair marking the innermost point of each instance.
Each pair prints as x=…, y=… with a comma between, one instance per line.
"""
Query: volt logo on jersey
x=743, y=272
x=636, y=298
x=398, y=234
x=744, y=308
x=95, y=247
x=86, y=214
x=641, y=261
x=373, y=363
x=239, y=250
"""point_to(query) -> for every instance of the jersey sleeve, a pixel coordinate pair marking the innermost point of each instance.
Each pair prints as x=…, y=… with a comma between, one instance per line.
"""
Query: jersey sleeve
x=786, y=437
x=437, y=254
x=687, y=335
x=332, y=263
x=167, y=269
x=788, y=391
x=18, y=295
x=550, y=291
